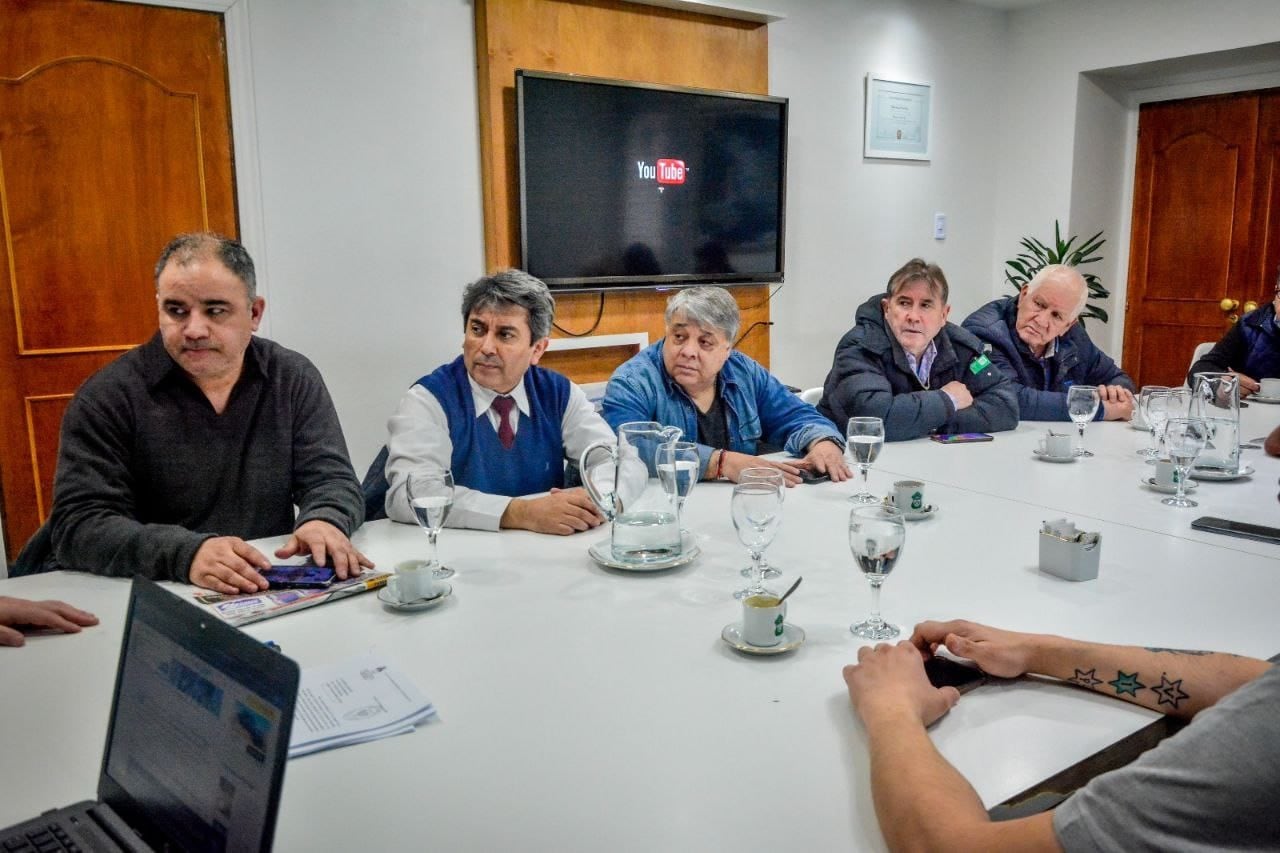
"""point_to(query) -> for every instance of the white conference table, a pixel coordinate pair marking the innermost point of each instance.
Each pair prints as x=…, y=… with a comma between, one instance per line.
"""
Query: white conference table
x=586, y=709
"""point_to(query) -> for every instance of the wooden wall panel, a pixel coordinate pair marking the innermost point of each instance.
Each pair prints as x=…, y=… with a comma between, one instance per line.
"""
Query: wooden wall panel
x=603, y=38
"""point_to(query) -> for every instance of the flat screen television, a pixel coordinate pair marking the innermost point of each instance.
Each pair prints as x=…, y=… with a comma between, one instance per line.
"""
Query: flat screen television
x=635, y=185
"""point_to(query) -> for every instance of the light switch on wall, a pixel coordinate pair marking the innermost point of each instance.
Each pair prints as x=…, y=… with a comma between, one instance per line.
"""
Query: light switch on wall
x=939, y=226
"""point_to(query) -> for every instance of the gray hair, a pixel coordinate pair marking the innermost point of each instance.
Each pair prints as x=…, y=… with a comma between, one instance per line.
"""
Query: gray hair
x=512, y=288
x=708, y=307
x=186, y=249
x=1065, y=273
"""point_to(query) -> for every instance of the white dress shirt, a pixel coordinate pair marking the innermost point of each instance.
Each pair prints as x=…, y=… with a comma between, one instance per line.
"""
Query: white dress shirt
x=419, y=442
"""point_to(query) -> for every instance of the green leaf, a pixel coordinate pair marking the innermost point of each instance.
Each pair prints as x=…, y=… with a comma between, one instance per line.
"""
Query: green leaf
x=1072, y=251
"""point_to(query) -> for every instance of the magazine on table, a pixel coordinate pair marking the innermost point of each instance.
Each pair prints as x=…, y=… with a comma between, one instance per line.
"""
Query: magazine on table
x=246, y=607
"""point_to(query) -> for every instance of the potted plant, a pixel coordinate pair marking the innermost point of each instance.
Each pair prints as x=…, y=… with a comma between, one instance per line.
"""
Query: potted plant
x=1037, y=256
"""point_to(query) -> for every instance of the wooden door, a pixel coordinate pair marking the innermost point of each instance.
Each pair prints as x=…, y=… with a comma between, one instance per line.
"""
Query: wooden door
x=1204, y=192
x=1266, y=217
x=115, y=135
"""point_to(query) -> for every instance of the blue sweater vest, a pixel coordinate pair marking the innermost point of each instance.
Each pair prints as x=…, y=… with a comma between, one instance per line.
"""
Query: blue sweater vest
x=535, y=462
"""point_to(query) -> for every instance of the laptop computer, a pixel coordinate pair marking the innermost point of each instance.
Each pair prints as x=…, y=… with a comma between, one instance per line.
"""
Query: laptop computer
x=196, y=745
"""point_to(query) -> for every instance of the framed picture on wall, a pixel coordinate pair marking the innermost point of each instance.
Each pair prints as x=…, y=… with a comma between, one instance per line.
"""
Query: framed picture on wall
x=898, y=117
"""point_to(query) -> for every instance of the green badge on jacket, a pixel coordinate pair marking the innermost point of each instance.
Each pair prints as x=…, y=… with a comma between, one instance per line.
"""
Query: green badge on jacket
x=979, y=364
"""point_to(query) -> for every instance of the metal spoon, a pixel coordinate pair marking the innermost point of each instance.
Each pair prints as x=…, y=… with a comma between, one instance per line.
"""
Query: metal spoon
x=791, y=590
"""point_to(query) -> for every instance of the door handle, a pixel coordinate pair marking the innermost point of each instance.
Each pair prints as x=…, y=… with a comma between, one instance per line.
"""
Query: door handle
x=1250, y=306
x=1229, y=304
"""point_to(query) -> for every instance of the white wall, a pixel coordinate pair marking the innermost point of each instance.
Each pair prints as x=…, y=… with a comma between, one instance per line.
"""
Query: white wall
x=370, y=160
x=853, y=221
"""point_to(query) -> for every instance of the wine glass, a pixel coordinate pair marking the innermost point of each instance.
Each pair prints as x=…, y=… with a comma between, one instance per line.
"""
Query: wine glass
x=876, y=537
x=865, y=438
x=757, y=514
x=1082, y=405
x=1184, y=438
x=430, y=498
x=1154, y=413
x=764, y=475
x=680, y=474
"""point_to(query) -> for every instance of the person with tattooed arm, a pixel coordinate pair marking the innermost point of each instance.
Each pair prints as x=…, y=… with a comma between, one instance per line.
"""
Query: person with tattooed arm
x=1210, y=787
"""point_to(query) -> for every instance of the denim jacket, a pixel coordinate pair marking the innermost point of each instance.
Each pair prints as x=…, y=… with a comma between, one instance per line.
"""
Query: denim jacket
x=757, y=405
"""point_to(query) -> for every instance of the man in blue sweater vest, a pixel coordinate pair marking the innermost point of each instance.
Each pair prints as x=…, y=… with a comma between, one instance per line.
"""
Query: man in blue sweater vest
x=500, y=423
x=1036, y=339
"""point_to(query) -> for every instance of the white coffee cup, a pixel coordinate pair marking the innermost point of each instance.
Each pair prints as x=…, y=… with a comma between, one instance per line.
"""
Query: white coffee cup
x=413, y=581
x=1269, y=387
x=762, y=620
x=908, y=496
x=1166, y=474
x=1057, y=445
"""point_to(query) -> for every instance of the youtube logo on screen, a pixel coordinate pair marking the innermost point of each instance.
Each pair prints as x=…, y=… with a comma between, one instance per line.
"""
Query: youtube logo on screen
x=664, y=171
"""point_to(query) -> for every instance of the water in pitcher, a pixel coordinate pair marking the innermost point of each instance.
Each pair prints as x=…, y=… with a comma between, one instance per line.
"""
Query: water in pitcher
x=1222, y=450
x=646, y=537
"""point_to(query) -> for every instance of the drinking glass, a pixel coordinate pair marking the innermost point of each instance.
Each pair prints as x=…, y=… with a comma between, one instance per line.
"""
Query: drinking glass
x=680, y=474
x=876, y=537
x=764, y=475
x=1184, y=438
x=757, y=514
x=1180, y=403
x=1153, y=404
x=1082, y=405
x=431, y=497
x=865, y=438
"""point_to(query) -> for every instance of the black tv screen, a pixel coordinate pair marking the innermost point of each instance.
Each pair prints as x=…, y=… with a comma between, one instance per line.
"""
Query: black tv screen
x=630, y=185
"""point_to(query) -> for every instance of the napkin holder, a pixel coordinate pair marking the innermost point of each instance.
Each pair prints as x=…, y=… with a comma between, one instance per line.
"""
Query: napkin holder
x=1068, y=553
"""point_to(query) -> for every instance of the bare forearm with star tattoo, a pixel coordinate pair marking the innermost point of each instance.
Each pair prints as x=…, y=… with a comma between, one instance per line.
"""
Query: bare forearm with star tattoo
x=1177, y=682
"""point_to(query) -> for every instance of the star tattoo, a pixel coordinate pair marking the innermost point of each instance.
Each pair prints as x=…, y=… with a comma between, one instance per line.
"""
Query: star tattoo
x=1086, y=678
x=1126, y=682
x=1170, y=692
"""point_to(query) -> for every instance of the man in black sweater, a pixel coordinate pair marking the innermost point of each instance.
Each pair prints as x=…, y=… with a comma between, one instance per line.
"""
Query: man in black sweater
x=205, y=436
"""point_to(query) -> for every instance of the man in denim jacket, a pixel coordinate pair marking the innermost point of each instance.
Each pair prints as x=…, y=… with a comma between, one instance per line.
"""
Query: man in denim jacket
x=726, y=402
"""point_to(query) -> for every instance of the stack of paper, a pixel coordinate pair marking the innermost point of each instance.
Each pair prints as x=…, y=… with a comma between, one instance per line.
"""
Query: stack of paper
x=354, y=701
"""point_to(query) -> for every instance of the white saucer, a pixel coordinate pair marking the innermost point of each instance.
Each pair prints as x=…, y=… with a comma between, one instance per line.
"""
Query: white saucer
x=1258, y=398
x=919, y=515
x=1044, y=457
x=387, y=598
x=1150, y=483
x=1215, y=474
x=792, y=638
x=602, y=553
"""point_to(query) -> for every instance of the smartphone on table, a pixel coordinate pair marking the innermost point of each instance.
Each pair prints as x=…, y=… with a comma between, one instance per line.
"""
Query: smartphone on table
x=960, y=437
x=945, y=672
x=298, y=577
x=1238, y=528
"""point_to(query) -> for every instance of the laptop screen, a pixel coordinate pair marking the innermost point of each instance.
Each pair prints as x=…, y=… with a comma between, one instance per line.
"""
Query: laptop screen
x=199, y=728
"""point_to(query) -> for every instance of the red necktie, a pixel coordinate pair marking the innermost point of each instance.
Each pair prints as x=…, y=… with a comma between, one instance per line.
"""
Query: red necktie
x=503, y=406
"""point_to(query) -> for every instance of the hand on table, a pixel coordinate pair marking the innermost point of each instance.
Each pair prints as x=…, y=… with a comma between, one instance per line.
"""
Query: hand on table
x=228, y=564
x=1117, y=402
x=327, y=546
x=562, y=512
x=733, y=464
x=56, y=615
x=827, y=457
x=890, y=679
x=1004, y=654
x=1248, y=385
